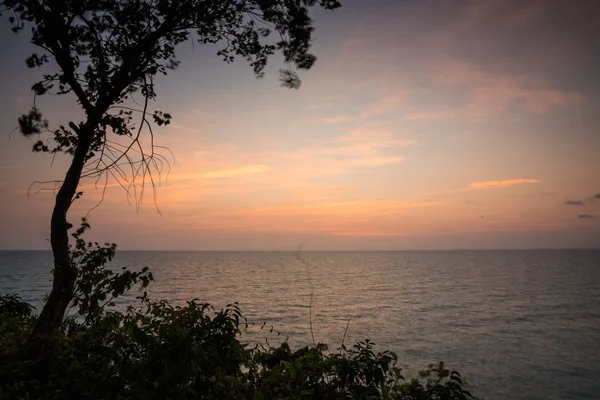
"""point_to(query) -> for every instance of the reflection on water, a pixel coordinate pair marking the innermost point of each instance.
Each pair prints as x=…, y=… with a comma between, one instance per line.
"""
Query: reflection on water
x=519, y=324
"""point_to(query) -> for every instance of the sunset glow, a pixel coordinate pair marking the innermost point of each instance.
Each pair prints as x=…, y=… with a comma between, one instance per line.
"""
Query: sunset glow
x=467, y=124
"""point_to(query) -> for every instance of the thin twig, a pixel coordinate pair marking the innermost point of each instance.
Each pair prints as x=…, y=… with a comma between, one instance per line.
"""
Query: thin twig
x=344, y=337
x=101, y=198
x=312, y=291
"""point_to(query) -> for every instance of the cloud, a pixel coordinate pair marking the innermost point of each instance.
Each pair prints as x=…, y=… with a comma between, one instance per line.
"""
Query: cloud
x=543, y=101
x=328, y=189
x=233, y=172
x=338, y=119
x=586, y=216
x=362, y=105
x=493, y=94
x=574, y=203
x=351, y=150
x=368, y=142
x=352, y=208
x=312, y=192
x=385, y=105
x=368, y=233
x=590, y=199
x=531, y=24
x=372, y=161
x=430, y=115
x=499, y=184
x=341, y=217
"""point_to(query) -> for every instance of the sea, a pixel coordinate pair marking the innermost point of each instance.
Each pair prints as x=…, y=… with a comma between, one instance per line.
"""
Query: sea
x=521, y=324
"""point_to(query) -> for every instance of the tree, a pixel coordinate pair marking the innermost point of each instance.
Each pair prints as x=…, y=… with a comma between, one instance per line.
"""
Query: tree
x=104, y=52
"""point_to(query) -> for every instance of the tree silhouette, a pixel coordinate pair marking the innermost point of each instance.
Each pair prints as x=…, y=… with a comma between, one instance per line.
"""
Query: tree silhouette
x=107, y=51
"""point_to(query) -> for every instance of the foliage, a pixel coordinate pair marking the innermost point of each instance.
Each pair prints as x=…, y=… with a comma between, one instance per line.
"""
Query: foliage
x=16, y=318
x=153, y=350
x=97, y=286
x=107, y=52
x=156, y=351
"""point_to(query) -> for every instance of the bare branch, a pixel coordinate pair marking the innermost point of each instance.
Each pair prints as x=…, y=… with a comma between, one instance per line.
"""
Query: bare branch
x=101, y=198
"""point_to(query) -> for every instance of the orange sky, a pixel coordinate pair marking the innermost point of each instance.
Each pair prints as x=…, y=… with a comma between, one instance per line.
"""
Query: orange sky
x=423, y=125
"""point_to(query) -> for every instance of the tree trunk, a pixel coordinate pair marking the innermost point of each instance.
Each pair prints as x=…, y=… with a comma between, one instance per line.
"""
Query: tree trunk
x=65, y=273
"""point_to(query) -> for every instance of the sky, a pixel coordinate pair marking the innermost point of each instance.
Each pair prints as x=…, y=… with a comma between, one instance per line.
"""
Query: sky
x=430, y=124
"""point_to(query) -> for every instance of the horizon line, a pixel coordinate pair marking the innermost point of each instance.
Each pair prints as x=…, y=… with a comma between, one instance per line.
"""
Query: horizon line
x=334, y=251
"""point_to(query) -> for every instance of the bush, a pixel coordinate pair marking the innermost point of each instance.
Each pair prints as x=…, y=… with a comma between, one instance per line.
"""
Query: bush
x=156, y=351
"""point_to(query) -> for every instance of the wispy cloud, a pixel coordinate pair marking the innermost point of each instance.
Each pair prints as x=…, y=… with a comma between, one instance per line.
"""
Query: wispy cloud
x=543, y=101
x=586, y=216
x=493, y=94
x=430, y=115
x=369, y=233
x=499, y=184
x=237, y=171
x=386, y=104
x=351, y=218
x=346, y=152
x=360, y=143
x=349, y=208
x=484, y=185
x=338, y=119
x=308, y=192
x=573, y=203
x=371, y=161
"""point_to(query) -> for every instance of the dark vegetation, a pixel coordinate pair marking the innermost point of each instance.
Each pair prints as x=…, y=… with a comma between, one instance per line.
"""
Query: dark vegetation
x=106, y=54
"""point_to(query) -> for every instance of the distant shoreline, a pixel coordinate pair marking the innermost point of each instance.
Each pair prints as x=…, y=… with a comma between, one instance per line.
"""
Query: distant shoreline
x=323, y=251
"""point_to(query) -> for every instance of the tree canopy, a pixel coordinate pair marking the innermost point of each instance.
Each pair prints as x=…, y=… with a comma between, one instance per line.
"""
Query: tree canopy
x=104, y=52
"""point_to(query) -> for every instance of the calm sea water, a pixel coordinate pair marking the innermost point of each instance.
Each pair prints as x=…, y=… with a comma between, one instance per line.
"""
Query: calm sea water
x=517, y=324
